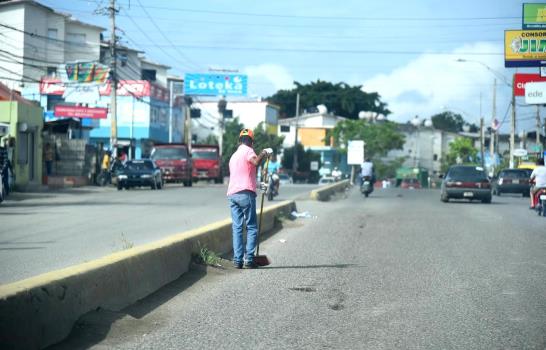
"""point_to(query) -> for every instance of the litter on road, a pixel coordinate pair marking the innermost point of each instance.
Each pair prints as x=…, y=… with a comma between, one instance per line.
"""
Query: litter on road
x=304, y=214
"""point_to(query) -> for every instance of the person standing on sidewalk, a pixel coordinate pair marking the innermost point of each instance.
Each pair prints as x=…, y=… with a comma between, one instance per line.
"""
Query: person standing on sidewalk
x=242, y=198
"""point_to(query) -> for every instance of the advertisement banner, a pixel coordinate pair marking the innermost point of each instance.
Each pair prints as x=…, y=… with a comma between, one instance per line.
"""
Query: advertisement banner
x=209, y=84
x=534, y=16
x=355, y=152
x=524, y=48
x=523, y=78
x=80, y=112
x=535, y=93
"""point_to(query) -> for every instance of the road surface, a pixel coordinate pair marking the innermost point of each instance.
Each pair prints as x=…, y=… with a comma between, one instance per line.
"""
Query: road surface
x=46, y=231
x=399, y=270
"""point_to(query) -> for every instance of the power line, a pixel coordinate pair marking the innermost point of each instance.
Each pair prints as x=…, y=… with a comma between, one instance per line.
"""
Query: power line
x=300, y=50
x=165, y=37
x=151, y=40
x=345, y=18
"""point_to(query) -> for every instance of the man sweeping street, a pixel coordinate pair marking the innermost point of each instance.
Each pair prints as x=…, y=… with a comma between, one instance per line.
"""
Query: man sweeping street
x=242, y=198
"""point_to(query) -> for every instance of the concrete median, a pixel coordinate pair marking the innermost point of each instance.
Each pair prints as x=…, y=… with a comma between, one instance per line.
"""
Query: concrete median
x=324, y=193
x=42, y=310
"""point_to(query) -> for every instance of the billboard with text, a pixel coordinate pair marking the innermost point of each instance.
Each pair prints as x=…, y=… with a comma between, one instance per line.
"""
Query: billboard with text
x=210, y=84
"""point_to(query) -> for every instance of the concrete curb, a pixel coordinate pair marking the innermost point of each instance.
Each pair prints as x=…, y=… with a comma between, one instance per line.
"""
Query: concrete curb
x=40, y=311
x=324, y=193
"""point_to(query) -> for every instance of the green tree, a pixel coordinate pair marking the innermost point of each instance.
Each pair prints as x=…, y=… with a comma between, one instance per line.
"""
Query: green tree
x=230, y=140
x=448, y=121
x=262, y=140
x=341, y=98
x=462, y=151
x=304, y=158
x=380, y=138
x=209, y=140
x=385, y=170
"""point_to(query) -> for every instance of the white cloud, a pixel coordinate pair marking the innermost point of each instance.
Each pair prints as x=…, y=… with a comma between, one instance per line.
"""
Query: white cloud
x=264, y=78
x=431, y=82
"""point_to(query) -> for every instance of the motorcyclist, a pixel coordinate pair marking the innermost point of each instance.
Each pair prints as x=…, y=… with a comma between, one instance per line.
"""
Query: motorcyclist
x=273, y=171
x=538, y=176
x=367, y=170
x=336, y=173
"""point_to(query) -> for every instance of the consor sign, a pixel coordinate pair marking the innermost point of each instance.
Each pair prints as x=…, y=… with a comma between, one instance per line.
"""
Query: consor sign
x=524, y=48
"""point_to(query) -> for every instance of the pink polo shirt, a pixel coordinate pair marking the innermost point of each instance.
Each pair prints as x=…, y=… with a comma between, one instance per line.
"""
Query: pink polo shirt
x=242, y=173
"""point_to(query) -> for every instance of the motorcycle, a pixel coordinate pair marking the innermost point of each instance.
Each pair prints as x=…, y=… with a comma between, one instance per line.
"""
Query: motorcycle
x=366, y=186
x=272, y=187
x=540, y=201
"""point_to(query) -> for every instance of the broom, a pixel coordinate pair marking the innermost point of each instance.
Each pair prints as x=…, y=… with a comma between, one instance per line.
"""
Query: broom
x=261, y=260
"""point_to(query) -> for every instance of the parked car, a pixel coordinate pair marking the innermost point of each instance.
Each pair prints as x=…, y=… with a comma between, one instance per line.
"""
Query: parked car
x=326, y=180
x=285, y=179
x=175, y=162
x=140, y=173
x=512, y=181
x=410, y=184
x=206, y=163
x=466, y=182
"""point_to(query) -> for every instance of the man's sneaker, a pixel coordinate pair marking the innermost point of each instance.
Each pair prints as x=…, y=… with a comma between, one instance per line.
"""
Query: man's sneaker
x=251, y=265
x=238, y=265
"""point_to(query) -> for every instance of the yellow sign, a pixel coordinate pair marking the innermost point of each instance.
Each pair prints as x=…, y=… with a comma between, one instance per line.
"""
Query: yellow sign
x=524, y=48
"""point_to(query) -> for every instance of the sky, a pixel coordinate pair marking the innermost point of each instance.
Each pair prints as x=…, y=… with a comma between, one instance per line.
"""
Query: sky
x=407, y=51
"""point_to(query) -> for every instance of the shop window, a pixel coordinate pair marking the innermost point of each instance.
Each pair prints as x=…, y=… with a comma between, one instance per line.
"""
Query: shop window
x=52, y=72
x=53, y=100
x=435, y=157
x=148, y=74
x=52, y=33
x=285, y=128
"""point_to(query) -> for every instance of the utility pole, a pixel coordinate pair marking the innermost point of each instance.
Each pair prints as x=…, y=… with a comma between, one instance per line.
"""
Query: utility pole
x=113, y=80
x=513, y=123
x=492, y=134
x=222, y=106
x=295, y=157
x=171, y=111
x=537, y=138
x=482, y=141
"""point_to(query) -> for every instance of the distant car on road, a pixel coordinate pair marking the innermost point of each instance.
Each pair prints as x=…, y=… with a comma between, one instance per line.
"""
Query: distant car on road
x=140, y=173
x=410, y=184
x=512, y=181
x=285, y=179
x=466, y=182
x=326, y=180
x=207, y=163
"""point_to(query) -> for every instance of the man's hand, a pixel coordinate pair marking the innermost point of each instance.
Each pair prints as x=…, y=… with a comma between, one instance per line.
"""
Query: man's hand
x=263, y=187
x=268, y=151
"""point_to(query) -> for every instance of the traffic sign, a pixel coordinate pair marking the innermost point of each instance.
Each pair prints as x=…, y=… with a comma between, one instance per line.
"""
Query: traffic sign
x=355, y=152
x=520, y=152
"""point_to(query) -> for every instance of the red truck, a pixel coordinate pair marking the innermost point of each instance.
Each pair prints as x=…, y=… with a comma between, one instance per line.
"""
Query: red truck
x=175, y=162
x=207, y=163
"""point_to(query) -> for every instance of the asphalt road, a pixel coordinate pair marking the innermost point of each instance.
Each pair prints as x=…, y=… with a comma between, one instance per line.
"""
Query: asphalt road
x=40, y=232
x=399, y=270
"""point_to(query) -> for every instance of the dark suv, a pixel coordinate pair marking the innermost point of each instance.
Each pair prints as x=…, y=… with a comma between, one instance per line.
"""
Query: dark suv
x=512, y=181
x=466, y=182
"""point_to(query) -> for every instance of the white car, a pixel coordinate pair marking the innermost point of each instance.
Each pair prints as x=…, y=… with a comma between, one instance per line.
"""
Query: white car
x=326, y=180
x=285, y=179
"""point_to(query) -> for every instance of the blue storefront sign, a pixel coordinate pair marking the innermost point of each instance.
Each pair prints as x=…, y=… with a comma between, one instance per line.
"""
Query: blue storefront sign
x=209, y=84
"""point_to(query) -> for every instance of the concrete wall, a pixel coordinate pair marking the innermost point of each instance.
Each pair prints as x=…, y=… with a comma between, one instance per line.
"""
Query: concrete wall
x=29, y=171
x=41, y=310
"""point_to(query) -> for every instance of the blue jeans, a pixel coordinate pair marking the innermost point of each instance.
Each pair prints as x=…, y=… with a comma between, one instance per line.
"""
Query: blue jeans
x=243, y=211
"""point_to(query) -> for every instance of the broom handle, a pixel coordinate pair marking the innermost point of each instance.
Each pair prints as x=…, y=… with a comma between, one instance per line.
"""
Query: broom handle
x=264, y=177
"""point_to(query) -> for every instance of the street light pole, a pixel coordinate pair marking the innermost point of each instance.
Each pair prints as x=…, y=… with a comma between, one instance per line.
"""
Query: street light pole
x=295, y=157
x=513, y=125
x=114, y=80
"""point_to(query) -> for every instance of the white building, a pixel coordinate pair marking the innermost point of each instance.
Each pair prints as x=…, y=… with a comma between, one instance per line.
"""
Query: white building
x=35, y=39
x=250, y=114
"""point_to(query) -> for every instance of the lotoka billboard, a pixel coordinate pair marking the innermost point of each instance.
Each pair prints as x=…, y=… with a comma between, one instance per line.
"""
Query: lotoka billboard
x=524, y=48
x=210, y=84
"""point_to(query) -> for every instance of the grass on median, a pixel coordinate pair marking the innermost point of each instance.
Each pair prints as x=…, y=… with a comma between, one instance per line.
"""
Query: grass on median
x=207, y=257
